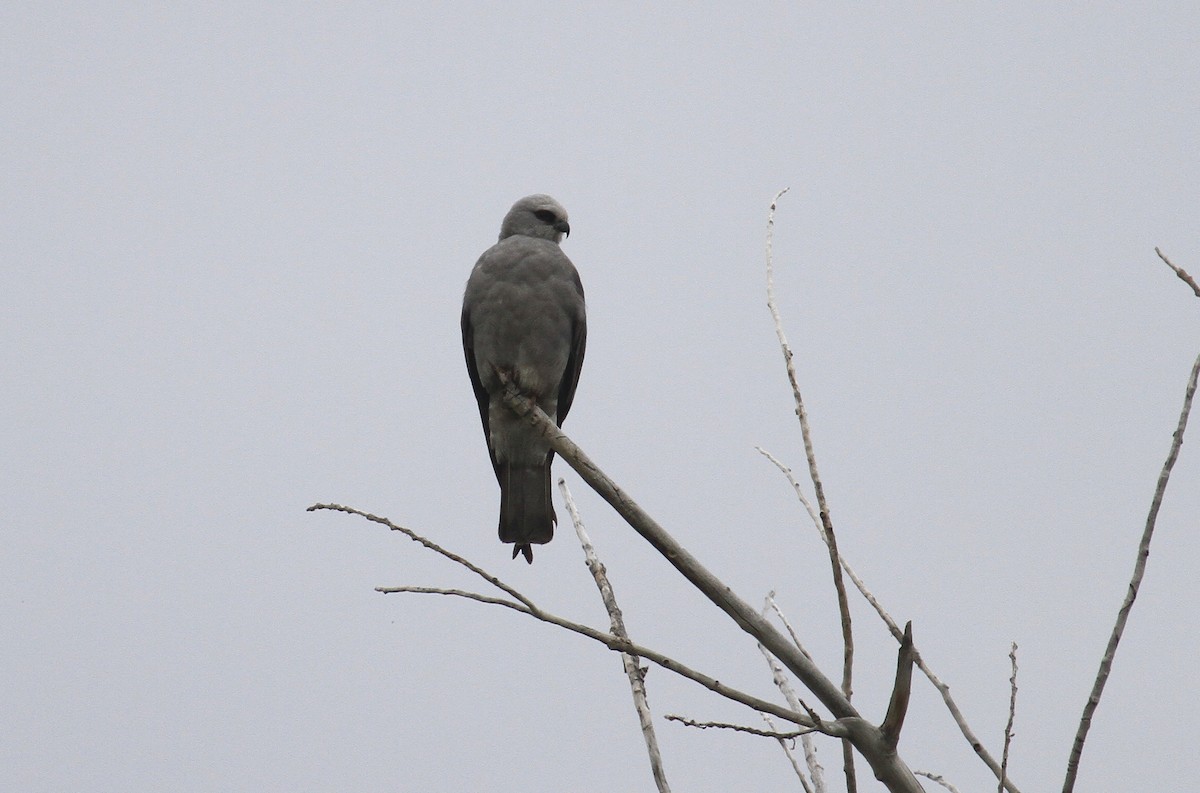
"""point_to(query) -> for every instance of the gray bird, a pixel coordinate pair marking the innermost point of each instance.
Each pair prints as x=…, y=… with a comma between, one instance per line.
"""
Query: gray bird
x=523, y=314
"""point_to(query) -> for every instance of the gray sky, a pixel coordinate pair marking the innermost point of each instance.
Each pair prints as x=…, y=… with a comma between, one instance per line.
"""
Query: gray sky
x=235, y=240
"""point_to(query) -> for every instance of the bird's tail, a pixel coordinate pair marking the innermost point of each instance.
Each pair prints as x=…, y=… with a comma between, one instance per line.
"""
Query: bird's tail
x=526, y=512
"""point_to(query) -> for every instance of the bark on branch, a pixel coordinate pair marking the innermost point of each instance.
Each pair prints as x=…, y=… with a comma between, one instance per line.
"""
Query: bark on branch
x=898, y=706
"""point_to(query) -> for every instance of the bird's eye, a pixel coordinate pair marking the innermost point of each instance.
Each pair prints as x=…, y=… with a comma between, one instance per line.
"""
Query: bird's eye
x=545, y=215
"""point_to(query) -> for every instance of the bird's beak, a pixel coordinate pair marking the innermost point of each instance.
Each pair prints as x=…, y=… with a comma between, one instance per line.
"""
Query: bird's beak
x=564, y=227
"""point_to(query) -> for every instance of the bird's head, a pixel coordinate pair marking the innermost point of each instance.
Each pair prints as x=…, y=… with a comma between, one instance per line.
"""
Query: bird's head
x=536, y=216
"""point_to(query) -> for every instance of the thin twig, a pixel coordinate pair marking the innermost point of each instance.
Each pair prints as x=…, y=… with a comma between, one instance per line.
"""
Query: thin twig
x=1179, y=271
x=943, y=689
x=526, y=606
x=1012, y=715
x=433, y=546
x=789, y=694
x=771, y=604
x=797, y=704
x=620, y=645
x=963, y=727
x=1139, y=570
x=786, y=746
x=462, y=593
x=858, y=582
x=704, y=725
x=826, y=521
x=941, y=780
x=633, y=670
x=791, y=477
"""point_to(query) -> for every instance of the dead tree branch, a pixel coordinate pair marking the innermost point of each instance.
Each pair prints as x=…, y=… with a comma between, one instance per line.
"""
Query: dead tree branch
x=770, y=604
x=898, y=706
x=941, y=780
x=633, y=670
x=818, y=488
x=433, y=546
x=525, y=606
x=1139, y=570
x=785, y=687
x=1012, y=715
x=704, y=725
x=791, y=756
x=1179, y=271
x=898, y=634
x=887, y=766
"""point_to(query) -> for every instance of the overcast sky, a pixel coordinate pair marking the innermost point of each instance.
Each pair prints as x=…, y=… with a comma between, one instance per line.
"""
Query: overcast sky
x=235, y=238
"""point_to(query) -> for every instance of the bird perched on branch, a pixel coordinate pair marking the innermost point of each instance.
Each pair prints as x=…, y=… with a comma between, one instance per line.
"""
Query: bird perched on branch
x=523, y=315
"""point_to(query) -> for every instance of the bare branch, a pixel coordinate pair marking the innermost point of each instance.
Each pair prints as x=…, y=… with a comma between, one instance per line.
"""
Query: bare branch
x=769, y=603
x=791, y=477
x=963, y=727
x=633, y=670
x=894, y=629
x=898, y=706
x=785, y=687
x=704, y=725
x=433, y=546
x=682, y=559
x=815, y=475
x=1179, y=271
x=791, y=756
x=433, y=590
x=1012, y=715
x=858, y=582
x=1139, y=570
x=941, y=780
x=526, y=606
x=889, y=768
x=626, y=646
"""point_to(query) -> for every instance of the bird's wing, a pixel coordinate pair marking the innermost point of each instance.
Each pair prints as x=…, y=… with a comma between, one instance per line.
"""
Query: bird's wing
x=566, y=388
x=481, y=395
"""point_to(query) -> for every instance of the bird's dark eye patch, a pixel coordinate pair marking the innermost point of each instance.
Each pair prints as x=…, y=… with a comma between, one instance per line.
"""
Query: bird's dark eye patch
x=545, y=215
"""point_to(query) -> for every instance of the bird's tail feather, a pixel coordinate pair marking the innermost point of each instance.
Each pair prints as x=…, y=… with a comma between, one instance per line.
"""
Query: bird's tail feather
x=526, y=512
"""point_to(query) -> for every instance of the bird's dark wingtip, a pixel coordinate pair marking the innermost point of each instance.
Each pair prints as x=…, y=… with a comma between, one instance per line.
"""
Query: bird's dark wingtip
x=523, y=548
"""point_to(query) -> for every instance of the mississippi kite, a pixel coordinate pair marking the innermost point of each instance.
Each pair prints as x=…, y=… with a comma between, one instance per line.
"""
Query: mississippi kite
x=523, y=314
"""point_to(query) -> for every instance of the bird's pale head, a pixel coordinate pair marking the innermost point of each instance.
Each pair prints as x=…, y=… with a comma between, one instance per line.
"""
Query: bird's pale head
x=536, y=216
